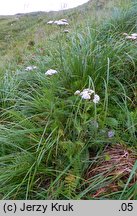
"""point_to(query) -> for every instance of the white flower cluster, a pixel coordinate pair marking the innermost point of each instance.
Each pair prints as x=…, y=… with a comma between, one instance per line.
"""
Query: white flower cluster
x=61, y=22
x=96, y=98
x=86, y=95
x=50, y=72
x=30, y=68
x=50, y=22
x=66, y=31
x=131, y=37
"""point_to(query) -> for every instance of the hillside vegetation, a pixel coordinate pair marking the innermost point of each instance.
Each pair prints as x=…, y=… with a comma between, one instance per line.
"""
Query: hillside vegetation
x=71, y=134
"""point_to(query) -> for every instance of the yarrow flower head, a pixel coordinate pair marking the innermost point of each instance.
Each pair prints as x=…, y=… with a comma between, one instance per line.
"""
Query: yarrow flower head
x=56, y=21
x=64, y=20
x=50, y=72
x=66, y=31
x=86, y=94
x=61, y=23
x=50, y=22
x=125, y=34
x=77, y=92
x=96, y=98
x=88, y=91
x=30, y=68
x=133, y=36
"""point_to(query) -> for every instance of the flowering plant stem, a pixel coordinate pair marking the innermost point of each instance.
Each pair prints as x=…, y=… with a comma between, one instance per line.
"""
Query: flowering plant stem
x=60, y=37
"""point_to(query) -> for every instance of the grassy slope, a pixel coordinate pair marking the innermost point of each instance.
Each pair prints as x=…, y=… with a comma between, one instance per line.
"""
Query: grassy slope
x=49, y=139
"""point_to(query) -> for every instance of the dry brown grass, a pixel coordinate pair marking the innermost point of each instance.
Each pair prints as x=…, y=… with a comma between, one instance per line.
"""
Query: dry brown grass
x=116, y=162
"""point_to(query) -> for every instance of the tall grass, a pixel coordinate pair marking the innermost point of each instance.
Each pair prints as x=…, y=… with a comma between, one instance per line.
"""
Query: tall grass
x=47, y=134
